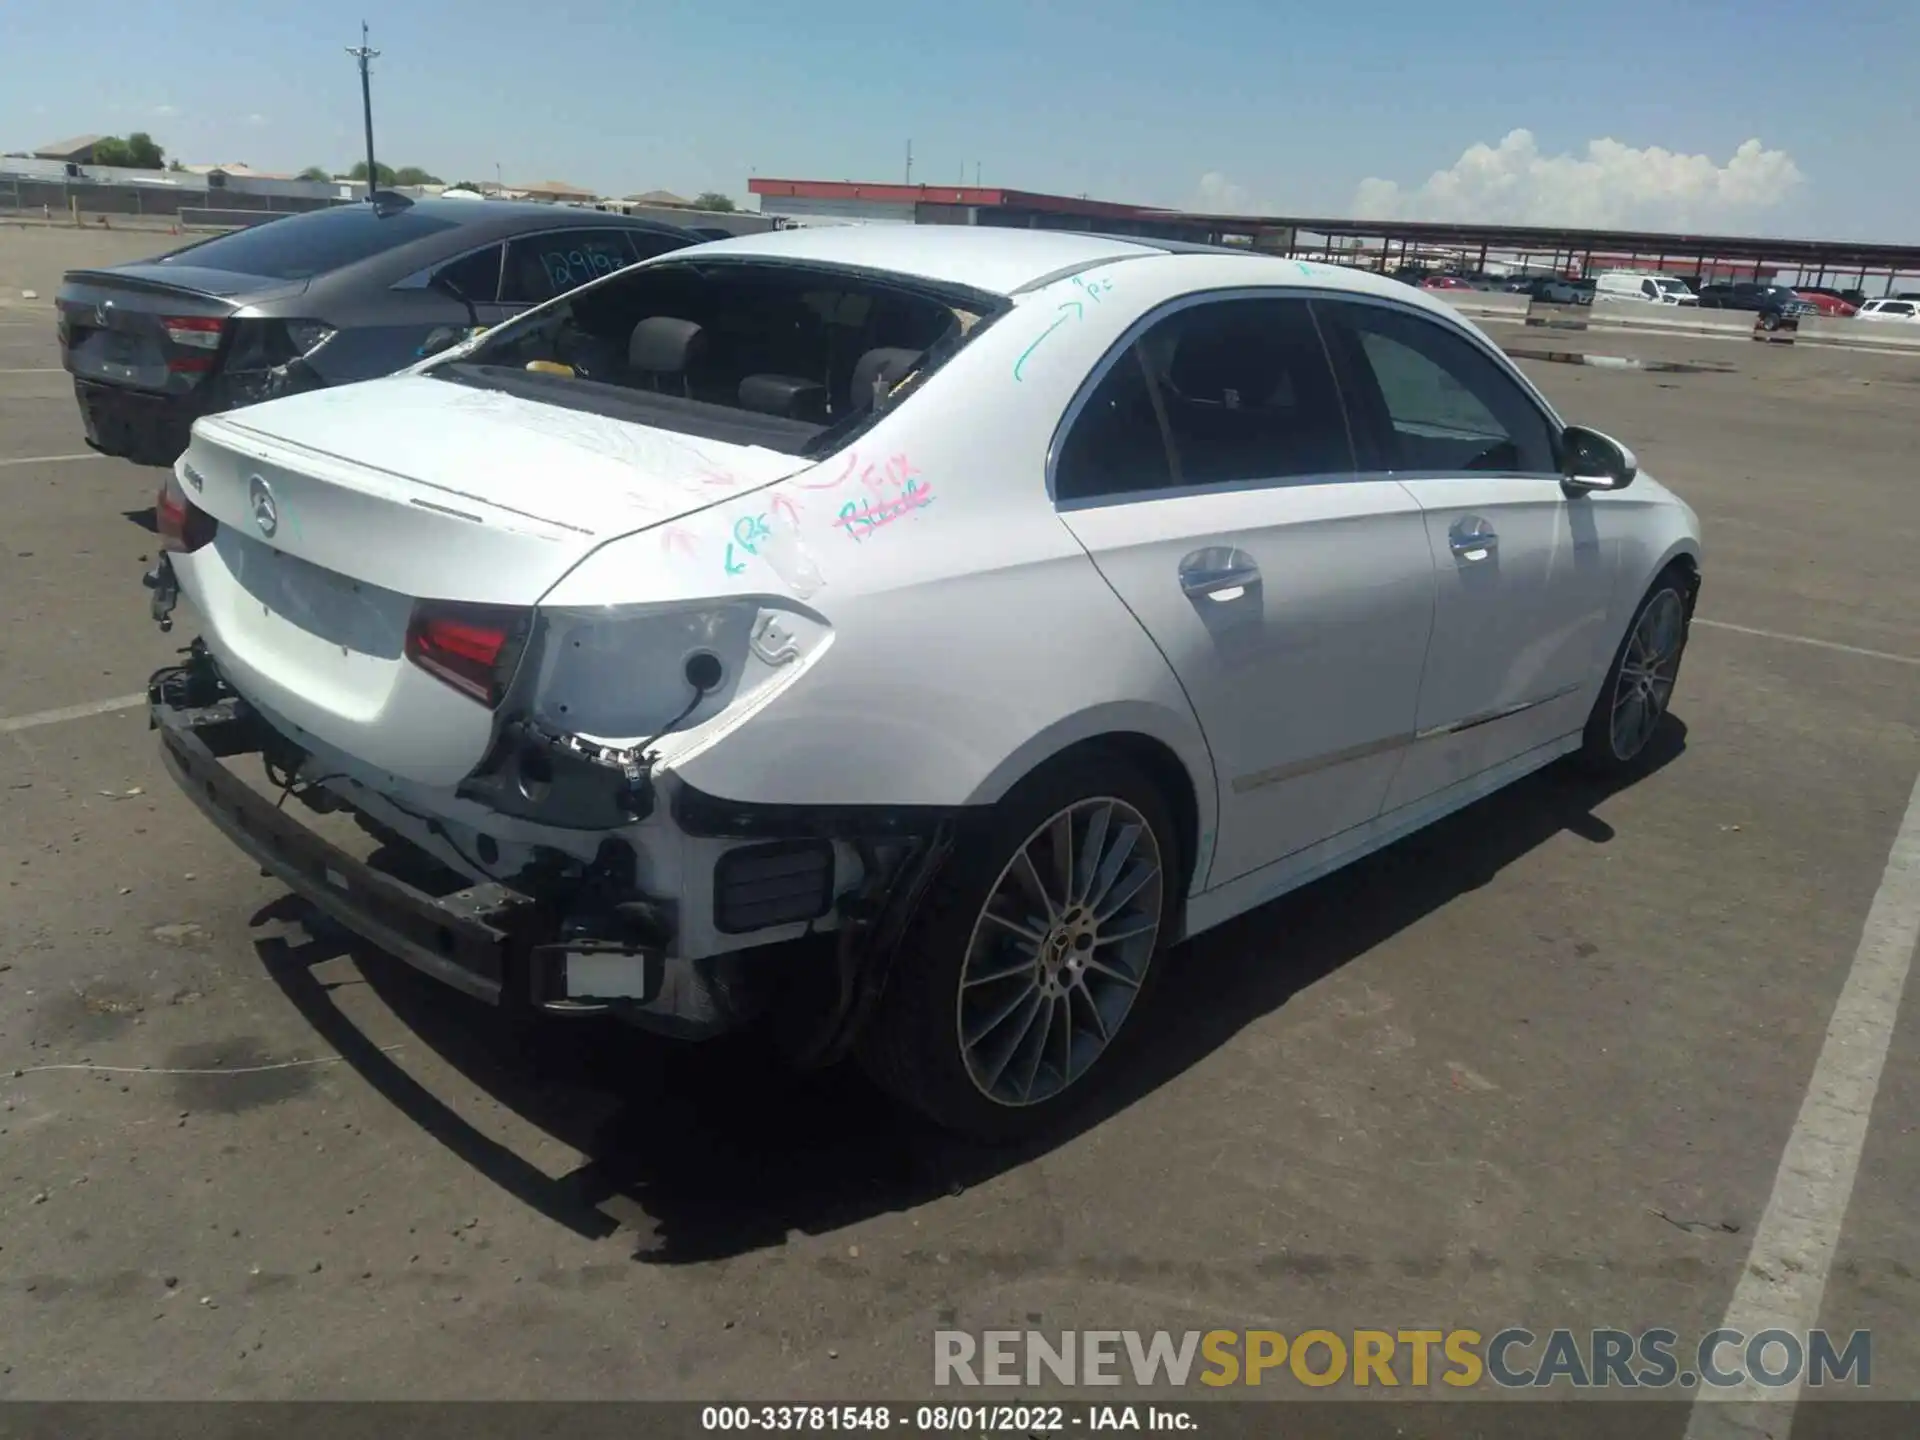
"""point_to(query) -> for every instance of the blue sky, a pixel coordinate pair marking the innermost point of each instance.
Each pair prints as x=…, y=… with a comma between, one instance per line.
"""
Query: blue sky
x=1234, y=104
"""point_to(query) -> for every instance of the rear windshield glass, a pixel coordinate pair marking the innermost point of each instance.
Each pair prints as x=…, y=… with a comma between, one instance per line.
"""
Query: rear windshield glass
x=303, y=246
x=790, y=357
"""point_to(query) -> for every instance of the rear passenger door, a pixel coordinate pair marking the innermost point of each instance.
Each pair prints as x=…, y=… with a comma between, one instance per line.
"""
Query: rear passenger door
x=1525, y=571
x=1207, y=468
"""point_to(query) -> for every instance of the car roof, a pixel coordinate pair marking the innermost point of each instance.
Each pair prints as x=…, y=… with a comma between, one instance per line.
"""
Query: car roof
x=998, y=261
x=487, y=219
x=1007, y=262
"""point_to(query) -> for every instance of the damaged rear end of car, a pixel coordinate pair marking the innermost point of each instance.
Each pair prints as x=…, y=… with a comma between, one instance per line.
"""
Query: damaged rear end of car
x=399, y=617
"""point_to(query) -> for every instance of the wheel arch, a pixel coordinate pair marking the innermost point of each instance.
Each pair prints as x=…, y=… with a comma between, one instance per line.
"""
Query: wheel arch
x=1683, y=556
x=1180, y=766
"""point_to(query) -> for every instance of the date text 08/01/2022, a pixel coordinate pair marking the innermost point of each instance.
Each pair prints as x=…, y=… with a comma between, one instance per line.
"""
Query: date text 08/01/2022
x=972, y=1420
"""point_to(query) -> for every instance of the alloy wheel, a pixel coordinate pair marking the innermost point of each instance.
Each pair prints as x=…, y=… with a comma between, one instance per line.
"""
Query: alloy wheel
x=1647, y=672
x=1059, y=951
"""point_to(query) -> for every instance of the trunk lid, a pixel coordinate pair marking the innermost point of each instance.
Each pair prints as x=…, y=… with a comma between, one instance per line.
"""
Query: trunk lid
x=340, y=508
x=111, y=321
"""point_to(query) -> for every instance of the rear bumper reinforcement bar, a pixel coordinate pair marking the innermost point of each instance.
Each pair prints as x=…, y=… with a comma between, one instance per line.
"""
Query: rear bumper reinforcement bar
x=477, y=940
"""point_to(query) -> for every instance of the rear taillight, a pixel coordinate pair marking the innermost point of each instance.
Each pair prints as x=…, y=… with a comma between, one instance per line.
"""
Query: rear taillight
x=201, y=333
x=197, y=332
x=184, y=527
x=470, y=647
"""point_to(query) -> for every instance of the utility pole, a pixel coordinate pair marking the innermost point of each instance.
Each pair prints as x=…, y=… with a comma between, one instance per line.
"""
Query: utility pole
x=909, y=162
x=976, y=174
x=364, y=53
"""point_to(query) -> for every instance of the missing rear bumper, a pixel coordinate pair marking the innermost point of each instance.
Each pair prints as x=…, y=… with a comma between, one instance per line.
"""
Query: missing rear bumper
x=495, y=941
x=467, y=939
x=564, y=937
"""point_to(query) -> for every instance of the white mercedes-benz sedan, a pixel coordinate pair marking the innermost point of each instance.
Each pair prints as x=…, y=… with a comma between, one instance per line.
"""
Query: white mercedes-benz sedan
x=902, y=636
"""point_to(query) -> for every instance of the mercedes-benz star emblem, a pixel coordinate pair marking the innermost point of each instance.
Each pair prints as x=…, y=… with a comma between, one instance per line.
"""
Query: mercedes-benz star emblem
x=266, y=514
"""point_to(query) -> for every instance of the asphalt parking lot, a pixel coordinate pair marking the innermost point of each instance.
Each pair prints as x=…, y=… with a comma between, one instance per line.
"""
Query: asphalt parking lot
x=1537, y=1066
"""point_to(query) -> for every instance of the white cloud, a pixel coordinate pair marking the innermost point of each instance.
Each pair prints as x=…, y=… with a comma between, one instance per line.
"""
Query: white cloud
x=1217, y=195
x=1611, y=185
x=166, y=112
x=256, y=119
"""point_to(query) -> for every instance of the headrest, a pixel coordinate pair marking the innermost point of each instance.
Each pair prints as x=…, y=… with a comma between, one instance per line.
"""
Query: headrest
x=1238, y=375
x=784, y=395
x=883, y=368
x=662, y=345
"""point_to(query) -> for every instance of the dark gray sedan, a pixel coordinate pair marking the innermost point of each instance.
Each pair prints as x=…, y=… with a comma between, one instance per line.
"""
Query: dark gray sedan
x=317, y=299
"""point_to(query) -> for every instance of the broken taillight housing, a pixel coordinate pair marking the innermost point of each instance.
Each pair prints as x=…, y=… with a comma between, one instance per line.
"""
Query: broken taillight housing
x=269, y=358
x=471, y=647
x=182, y=525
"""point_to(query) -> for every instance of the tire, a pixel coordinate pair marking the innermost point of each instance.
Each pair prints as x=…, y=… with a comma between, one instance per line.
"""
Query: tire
x=1769, y=321
x=1615, y=751
x=1062, y=990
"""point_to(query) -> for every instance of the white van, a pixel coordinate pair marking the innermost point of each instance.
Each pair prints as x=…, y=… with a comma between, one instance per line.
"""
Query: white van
x=1643, y=285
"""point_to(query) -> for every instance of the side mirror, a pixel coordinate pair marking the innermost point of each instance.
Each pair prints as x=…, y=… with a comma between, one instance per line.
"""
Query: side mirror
x=1594, y=461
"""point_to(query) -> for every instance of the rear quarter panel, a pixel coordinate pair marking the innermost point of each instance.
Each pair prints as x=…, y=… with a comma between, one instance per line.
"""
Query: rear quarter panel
x=972, y=637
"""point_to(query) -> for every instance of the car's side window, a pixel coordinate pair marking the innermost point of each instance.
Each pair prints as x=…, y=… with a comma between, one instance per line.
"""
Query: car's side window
x=540, y=267
x=1240, y=389
x=1248, y=393
x=476, y=276
x=1116, y=445
x=1429, y=400
x=645, y=244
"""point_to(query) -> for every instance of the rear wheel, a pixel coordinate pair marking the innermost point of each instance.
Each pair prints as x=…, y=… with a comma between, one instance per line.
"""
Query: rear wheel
x=1639, y=685
x=1032, y=954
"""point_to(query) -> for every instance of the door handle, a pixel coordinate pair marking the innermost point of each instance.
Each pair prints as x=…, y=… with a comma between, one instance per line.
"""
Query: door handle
x=1211, y=580
x=1473, y=540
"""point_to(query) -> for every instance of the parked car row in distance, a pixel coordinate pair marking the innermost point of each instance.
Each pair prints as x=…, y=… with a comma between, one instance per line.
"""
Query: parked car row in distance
x=1775, y=305
x=1549, y=289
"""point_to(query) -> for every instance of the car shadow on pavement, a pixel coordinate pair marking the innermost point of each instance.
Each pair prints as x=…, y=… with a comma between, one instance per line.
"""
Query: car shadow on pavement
x=717, y=1149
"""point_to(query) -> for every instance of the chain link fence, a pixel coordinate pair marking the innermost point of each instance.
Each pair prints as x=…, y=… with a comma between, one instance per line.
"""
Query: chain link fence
x=144, y=206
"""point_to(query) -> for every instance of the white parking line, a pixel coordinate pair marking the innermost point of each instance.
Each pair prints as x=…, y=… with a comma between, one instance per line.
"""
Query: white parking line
x=35, y=370
x=53, y=459
x=1786, y=1271
x=1809, y=640
x=11, y=723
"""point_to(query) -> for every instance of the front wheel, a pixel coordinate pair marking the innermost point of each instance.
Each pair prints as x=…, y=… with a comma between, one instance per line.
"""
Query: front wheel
x=1031, y=954
x=1639, y=685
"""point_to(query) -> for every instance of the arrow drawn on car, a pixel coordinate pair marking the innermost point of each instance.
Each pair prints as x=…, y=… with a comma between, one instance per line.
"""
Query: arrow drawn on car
x=1078, y=311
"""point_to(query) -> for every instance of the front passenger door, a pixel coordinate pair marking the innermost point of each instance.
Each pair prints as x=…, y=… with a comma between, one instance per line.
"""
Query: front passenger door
x=1525, y=572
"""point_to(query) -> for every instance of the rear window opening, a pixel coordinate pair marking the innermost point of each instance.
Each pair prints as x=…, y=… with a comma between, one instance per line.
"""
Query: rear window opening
x=790, y=357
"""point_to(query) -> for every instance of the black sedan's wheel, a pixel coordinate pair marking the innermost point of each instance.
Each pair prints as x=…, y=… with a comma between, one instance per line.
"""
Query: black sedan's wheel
x=1032, y=953
x=1639, y=686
